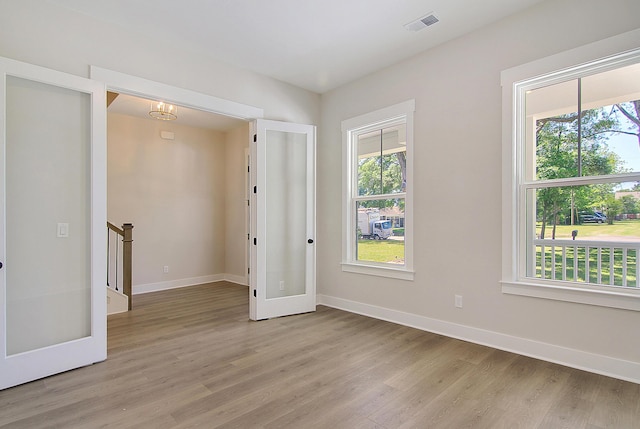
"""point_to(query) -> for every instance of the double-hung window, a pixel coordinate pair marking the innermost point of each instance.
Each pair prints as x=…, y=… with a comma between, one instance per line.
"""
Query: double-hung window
x=378, y=150
x=572, y=186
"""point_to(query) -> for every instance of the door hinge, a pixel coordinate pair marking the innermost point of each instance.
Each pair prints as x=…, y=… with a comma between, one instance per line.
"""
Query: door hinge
x=248, y=270
x=255, y=138
x=255, y=241
x=255, y=293
x=255, y=189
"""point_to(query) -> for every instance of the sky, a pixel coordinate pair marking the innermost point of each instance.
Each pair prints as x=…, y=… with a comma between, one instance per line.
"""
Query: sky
x=627, y=147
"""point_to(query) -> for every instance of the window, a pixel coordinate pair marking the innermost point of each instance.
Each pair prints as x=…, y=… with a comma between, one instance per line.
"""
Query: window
x=573, y=183
x=377, y=236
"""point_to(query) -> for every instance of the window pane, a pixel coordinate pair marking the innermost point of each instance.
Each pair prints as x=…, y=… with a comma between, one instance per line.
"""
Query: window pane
x=382, y=161
x=380, y=232
x=552, y=131
x=611, y=101
x=605, y=141
x=585, y=233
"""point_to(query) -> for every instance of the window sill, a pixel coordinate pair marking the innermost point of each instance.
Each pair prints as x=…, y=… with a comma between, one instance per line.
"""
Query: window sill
x=627, y=300
x=374, y=270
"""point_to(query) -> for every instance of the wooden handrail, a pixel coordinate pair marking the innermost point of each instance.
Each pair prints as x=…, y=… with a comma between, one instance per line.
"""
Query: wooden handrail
x=115, y=229
x=126, y=232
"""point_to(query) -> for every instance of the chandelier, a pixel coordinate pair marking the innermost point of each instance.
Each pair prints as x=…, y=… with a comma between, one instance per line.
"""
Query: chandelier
x=163, y=111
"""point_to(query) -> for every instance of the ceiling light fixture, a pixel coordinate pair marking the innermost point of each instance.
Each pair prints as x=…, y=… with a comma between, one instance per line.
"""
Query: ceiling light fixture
x=423, y=22
x=163, y=111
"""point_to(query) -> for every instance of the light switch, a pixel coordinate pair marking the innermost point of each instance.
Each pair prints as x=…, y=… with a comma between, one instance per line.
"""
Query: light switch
x=63, y=230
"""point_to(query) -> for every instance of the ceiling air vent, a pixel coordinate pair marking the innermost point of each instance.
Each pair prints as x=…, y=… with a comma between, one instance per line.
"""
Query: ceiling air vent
x=421, y=23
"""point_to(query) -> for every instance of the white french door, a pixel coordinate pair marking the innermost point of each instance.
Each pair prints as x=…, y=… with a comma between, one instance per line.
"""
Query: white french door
x=282, y=272
x=52, y=222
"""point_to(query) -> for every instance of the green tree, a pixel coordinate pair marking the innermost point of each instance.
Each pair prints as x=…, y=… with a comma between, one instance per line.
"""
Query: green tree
x=612, y=208
x=560, y=153
x=384, y=174
x=630, y=205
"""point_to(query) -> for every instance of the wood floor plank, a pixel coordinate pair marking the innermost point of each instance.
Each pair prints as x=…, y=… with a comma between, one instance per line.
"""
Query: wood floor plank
x=191, y=358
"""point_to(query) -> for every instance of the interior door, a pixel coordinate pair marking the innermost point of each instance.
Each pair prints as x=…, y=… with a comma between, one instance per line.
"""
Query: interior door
x=282, y=271
x=52, y=222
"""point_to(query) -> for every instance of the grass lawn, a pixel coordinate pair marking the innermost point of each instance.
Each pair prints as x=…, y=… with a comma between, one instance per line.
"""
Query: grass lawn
x=392, y=251
x=381, y=251
x=620, y=228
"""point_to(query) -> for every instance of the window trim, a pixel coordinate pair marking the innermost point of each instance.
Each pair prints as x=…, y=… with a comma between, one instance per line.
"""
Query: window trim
x=600, y=56
x=349, y=127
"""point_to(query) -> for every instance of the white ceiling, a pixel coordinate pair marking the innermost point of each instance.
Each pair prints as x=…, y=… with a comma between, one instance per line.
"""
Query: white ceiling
x=315, y=44
x=139, y=107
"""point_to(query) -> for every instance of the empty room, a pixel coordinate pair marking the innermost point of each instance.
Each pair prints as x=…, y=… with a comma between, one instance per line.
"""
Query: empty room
x=415, y=214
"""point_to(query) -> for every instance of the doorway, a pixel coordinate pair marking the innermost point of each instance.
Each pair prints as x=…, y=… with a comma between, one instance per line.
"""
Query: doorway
x=124, y=84
x=181, y=184
x=198, y=104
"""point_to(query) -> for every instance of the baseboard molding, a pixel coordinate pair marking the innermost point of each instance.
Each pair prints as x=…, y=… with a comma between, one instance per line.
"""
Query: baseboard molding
x=599, y=364
x=173, y=284
x=232, y=278
x=191, y=281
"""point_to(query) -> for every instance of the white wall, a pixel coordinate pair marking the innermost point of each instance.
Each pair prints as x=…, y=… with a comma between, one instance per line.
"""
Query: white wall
x=457, y=194
x=38, y=32
x=174, y=193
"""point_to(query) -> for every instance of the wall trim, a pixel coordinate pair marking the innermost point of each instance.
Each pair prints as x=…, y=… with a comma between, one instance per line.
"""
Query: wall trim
x=232, y=278
x=599, y=364
x=145, y=88
x=191, y=281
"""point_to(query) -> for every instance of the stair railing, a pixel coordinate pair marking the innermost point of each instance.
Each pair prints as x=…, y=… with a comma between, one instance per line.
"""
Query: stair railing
x=119, y=255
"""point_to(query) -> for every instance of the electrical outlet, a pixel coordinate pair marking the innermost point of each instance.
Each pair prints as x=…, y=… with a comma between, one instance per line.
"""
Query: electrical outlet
x=281, y=284
x=166, y=269
x=458, y=301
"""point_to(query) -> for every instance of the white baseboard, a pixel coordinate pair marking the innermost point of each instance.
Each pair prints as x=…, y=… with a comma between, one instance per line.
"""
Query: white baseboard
x=191, y=281
x=173, y=284
x=232, y=278
x=599, y=364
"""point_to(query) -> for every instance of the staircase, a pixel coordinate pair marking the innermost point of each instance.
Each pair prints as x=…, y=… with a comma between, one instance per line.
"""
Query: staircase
x=117, y=302
x=119, y=255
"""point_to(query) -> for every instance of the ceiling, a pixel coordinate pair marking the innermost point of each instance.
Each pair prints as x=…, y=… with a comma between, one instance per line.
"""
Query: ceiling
x=139, y=107
x=318, y=45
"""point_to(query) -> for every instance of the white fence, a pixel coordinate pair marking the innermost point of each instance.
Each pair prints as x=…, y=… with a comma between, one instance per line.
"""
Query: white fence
x=612, y=263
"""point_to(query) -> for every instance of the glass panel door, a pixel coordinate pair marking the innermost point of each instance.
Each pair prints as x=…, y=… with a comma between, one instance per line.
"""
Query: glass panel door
x=284, y=265
x=47, y=216
x=286, y=232
x=53, y=309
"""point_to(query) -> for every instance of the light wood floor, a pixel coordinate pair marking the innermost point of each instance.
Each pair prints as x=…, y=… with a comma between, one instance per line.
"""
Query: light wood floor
x=190, y=358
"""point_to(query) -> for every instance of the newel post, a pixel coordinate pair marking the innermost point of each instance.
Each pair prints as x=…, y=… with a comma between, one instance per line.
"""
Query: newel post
x=127, y=241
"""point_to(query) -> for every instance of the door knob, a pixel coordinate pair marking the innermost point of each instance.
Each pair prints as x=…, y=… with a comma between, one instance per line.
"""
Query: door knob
x=310, y=240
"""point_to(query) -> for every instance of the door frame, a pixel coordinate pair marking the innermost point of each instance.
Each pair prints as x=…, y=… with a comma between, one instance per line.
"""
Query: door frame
x=144, y=88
